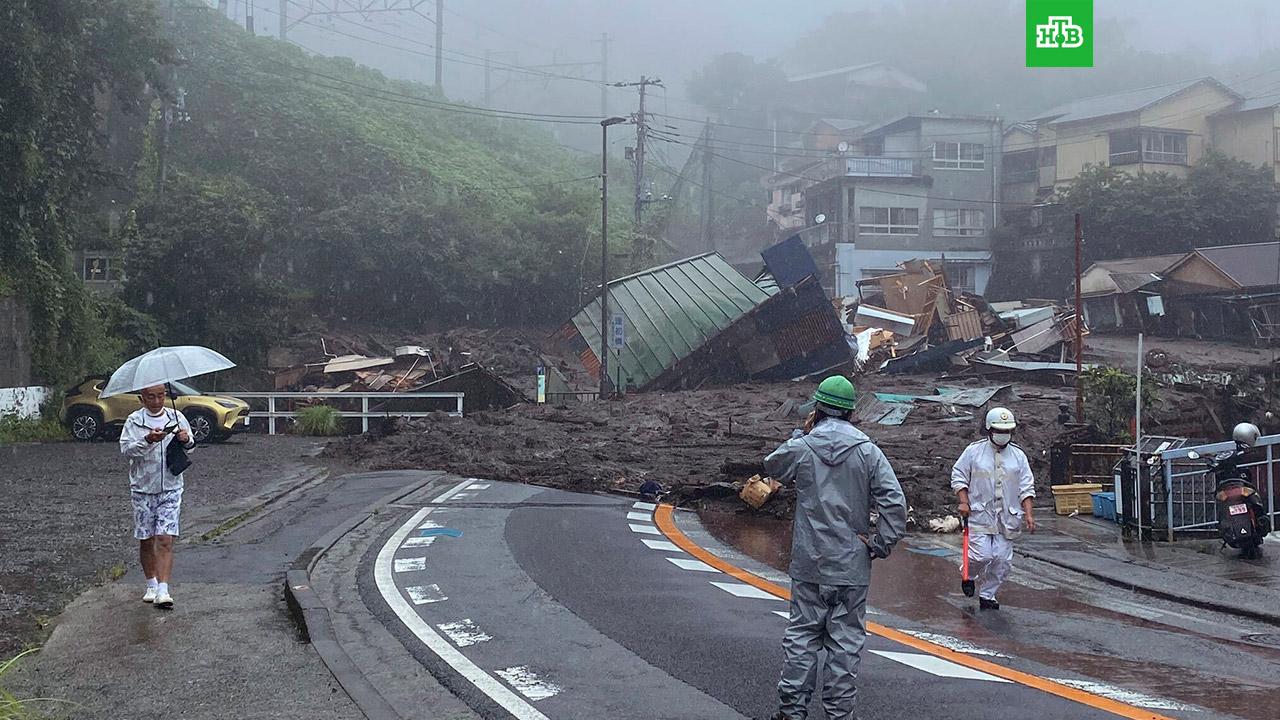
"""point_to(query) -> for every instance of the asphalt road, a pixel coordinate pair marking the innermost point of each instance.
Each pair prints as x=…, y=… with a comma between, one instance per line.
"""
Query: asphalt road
x=535, y=603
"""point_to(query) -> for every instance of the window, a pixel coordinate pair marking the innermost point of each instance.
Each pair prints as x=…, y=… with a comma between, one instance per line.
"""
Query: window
x=959, y=156
x=960, y=278
x=954, y=222
x=99, y=268
x=888, y=221
x=1049, y=156
x=1165, y=148
x=1134, y=146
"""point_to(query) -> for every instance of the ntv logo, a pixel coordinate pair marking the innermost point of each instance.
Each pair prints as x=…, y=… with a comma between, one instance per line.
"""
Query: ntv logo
x=1059, y=32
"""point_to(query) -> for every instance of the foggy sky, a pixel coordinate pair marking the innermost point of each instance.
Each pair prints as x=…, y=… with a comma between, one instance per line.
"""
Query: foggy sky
x=671, y=39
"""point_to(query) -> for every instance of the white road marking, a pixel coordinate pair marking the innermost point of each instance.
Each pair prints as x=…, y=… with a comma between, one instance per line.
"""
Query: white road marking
x=410, y=564
x=1129, y=697
x=782, y=614
x=873, y=611
x=666, y=545
x=643, y=517
x=951, y=643
x=430, y=525
x=688, y=564
x=463, y=495
x=644, y=506
x=745, y=591
x=419, y=541
x=423, y=594
x=646, y=529
x=528, y=683
x=464, y=633
x=384, y=578
x=478, y=486
x=938, y=666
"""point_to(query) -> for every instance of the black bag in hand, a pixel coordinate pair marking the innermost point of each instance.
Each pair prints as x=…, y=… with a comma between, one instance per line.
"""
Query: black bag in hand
x=175, y=457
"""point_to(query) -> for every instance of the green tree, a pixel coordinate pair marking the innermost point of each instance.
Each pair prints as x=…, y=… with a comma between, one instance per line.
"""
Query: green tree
x=1109, y=400
x=61, y=63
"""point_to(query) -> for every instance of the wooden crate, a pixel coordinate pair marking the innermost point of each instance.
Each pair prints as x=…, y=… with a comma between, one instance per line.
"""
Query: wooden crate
x=1075, y=498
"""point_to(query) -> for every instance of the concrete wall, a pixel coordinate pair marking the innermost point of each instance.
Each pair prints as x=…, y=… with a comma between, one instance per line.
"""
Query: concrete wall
x=23, y=401
x=15, y=343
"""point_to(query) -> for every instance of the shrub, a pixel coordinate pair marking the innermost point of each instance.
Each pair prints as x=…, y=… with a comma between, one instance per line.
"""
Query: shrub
x=1109, y=400
x=14, y=429
x=319, y=420
x=12, y=707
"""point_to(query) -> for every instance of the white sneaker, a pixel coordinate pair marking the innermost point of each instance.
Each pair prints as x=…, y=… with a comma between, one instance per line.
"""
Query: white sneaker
x=164, y=601
x=149, y=595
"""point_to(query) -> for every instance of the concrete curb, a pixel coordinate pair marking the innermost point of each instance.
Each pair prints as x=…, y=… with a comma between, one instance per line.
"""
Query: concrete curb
x=305, y=477
x=1124, y=577
x=312, y=616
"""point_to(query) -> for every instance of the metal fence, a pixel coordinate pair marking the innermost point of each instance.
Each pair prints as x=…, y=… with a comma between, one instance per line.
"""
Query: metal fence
x=1175, y=495
x=285, y=405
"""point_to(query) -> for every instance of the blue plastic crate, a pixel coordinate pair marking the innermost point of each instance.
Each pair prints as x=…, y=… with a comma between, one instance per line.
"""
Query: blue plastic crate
x=1104, y=505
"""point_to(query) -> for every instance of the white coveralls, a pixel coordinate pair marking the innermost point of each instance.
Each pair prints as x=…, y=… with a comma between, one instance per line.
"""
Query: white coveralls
x=997, y=480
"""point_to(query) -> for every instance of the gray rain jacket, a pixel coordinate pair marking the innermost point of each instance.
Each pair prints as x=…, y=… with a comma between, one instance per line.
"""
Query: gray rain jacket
x=837, y=472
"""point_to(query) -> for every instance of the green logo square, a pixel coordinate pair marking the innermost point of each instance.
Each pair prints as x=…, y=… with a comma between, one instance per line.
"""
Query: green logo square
x=1059, y=33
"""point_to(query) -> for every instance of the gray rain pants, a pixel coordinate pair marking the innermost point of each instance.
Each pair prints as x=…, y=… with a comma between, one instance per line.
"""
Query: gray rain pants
x=830, y=617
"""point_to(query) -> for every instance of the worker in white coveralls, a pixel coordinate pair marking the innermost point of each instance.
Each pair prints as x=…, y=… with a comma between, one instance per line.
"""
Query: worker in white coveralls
x=995, y=488
x=840, y=477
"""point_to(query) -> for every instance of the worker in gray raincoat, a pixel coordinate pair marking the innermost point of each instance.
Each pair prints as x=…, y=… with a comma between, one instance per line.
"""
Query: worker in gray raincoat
x=840, y=477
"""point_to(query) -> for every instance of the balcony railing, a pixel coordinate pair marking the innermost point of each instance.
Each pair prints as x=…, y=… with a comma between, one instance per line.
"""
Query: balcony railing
x=1133, y=157
x=1019, y=176
x=880, y=167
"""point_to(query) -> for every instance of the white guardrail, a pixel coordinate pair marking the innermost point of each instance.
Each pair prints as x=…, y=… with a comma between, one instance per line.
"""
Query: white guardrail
x=379, y=410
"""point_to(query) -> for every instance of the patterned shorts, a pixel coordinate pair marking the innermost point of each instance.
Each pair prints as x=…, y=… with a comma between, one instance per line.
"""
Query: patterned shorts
x=156, y=513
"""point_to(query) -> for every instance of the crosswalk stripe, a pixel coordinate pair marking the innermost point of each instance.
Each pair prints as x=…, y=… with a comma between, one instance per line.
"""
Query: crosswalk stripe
x=644, y=506
x=746, y=591
x=646, y=529
x=689, y=564
x=423, y=594
x=937, y=666
x=643, y=517
x=665, y=545
x=410, y=564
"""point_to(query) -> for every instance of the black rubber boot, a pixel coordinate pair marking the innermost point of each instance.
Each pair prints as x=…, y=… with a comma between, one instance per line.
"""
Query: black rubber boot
x=985, y=604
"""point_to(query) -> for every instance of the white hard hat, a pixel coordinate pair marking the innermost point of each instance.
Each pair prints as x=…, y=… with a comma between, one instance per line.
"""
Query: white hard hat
x=1000, y=419
x=1246, y=434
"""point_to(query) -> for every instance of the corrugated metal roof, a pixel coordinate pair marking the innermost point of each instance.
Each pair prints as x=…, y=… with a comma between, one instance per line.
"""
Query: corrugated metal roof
x=670, y=311
x=1117, y=103
x=1250, y=266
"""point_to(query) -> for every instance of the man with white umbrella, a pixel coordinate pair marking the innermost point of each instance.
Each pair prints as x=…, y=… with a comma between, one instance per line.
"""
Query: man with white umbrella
x=155, y=492
x=155, y=470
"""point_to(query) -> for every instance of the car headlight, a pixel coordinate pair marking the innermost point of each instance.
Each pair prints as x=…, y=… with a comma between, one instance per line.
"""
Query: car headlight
x=227, y=404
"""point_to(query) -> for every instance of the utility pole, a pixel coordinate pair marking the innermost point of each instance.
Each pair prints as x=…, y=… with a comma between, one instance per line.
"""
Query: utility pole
x=604, y=251
x=641, y=120
x=1079, y=333
x=248, y=16
x=604, y=74
x=283, y=14
x=487, y=74
x=222, y=7
x=708, y=197
x=440, y=46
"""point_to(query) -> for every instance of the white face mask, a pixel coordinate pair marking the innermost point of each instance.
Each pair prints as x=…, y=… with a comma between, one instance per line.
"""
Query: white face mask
x=1001, y=439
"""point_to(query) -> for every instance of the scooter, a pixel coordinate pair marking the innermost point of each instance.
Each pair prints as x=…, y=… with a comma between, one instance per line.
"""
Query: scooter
x=1242, y=519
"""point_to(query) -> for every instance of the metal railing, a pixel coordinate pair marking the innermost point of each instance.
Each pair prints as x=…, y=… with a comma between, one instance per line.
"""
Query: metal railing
x=382, y=409
x=1181, y=498
x=879, y=167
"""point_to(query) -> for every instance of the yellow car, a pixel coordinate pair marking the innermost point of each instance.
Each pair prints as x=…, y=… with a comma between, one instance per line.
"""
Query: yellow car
x=212, y=417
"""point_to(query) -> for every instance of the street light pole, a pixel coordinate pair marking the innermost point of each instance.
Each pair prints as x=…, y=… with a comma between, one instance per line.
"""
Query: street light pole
x=604, y=251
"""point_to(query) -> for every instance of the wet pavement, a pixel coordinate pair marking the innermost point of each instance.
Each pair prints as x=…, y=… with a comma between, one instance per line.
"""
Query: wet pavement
x=1066, y=620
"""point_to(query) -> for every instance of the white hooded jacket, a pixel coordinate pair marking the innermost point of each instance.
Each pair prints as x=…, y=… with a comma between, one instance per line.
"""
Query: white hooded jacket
x=997, y=481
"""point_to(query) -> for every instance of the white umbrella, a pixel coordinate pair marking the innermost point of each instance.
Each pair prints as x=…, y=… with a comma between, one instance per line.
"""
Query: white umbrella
x=163, y=365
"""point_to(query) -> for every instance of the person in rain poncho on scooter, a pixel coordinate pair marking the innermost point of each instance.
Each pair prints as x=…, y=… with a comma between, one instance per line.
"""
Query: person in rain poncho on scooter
x=993, y=483
x=840, y=477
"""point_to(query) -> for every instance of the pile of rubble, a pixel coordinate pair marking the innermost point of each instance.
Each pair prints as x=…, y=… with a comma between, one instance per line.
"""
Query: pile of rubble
x=912, y=321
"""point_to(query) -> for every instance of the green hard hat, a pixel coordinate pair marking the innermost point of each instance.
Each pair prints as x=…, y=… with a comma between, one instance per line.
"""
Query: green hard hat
x=837, y=392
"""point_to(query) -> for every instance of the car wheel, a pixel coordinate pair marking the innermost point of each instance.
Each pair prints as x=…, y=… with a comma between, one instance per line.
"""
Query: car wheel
x=201, y=425
x=85, y=424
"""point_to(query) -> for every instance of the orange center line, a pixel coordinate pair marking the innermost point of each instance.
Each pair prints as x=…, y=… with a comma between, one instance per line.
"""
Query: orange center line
x=663, y=517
